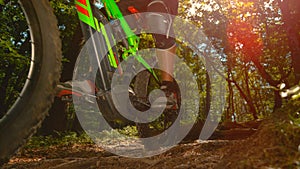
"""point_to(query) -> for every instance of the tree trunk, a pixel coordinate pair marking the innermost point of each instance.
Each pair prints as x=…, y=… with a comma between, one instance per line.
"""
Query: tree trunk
x=278, y=100
x=254, y=111
x=71, y=55
x=57, y=119
x=231, y=107
x=208, y=95
x=270, y=80
x=249, y=101
x=290, y=25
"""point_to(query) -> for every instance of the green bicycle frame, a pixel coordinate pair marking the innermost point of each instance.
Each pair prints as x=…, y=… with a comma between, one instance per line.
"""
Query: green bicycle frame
x=85, y=14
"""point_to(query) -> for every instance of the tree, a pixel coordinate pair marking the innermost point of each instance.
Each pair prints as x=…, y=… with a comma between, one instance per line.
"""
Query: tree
x=290, y=16
x=251, y=35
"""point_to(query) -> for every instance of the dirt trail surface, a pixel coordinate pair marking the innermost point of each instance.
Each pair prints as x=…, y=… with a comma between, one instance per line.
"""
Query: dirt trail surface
x=204, y=154
x=264, y=148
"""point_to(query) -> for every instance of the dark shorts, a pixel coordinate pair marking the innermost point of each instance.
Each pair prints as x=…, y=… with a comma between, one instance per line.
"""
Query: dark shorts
x=171, y=4
x=162, y=41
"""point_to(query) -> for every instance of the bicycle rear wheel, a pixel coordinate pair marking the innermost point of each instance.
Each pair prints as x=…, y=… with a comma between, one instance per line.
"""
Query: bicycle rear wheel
x=28, y=110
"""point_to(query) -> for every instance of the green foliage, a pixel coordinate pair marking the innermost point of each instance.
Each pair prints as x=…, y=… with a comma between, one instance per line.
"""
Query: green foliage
x=62, y=139
x=15, y=50
x=256, y=70
x=130, y=131
x=70, y=138
x=212, y=17
x=288, y=127
x=68, y=21
x=115, y=136
x=294, y=112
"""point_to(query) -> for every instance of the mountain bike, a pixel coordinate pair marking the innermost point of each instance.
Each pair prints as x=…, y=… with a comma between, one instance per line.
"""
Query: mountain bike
x=112, y=40
x=26, y=114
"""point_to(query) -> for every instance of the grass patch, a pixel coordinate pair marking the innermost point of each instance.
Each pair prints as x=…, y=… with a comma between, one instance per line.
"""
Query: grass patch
x=63, y=138
x=70, y=138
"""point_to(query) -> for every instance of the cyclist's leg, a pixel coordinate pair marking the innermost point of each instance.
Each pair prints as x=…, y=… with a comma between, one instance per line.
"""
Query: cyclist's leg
x=165, y=53
x=166, y=62
x=165, y=42
x=166, y=45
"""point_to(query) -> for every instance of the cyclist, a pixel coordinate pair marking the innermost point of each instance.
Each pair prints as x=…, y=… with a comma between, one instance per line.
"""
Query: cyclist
x=165, y=44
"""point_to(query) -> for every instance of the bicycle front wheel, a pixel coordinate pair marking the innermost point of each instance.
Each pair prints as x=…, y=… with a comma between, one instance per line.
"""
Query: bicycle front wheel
x=24, y=112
